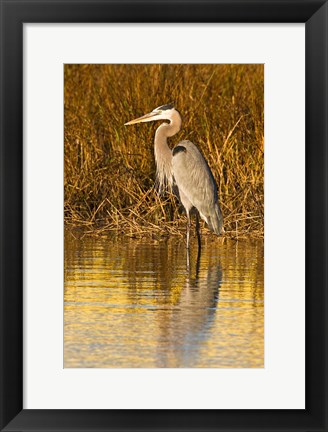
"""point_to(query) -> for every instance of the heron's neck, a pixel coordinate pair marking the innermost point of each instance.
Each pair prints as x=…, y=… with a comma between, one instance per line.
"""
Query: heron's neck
x=167, y=130
x=163, y=153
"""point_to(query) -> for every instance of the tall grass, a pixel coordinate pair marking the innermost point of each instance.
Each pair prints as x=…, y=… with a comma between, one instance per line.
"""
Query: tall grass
x=110, y=168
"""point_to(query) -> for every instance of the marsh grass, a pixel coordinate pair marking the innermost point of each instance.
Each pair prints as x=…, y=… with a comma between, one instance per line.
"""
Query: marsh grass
x=110, y=168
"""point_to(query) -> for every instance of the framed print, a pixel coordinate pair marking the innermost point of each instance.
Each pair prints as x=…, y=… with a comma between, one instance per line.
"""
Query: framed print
x=205, y=319
x=117, y=319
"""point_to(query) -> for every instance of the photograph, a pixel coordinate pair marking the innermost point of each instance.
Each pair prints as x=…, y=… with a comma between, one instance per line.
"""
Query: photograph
x=163, y=216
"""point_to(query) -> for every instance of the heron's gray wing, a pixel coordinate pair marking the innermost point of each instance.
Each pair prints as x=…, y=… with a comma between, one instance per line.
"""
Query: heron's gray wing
x=195, y=180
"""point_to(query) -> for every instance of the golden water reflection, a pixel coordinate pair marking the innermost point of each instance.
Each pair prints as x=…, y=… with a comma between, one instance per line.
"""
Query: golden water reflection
x=130, y=303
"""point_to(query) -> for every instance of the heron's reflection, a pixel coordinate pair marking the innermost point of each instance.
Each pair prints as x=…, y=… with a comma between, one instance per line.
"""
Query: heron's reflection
x=184, y=297
x=187, y=327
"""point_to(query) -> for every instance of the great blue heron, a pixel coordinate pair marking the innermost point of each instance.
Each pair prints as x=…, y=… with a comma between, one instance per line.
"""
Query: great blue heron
x=186, y=167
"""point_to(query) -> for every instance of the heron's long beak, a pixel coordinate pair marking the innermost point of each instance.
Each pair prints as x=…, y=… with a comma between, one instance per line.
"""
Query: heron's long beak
x=146, y=118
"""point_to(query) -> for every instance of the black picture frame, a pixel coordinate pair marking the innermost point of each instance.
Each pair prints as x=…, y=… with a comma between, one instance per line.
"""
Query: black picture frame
x=314, y=13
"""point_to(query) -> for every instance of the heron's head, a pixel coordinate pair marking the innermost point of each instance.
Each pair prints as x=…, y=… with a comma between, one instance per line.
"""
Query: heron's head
x=163, y=112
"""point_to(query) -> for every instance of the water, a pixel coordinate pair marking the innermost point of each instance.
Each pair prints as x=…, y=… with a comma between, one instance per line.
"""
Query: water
x=132, y=303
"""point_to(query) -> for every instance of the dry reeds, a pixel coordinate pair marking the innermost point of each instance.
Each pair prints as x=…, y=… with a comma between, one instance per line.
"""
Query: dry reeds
x=110, y=168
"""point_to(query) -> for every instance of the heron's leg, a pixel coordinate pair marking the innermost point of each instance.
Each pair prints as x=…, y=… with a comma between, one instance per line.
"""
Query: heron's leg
x=198, y=231
x=198, y=262
x=188, y=229
x=188, y=260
